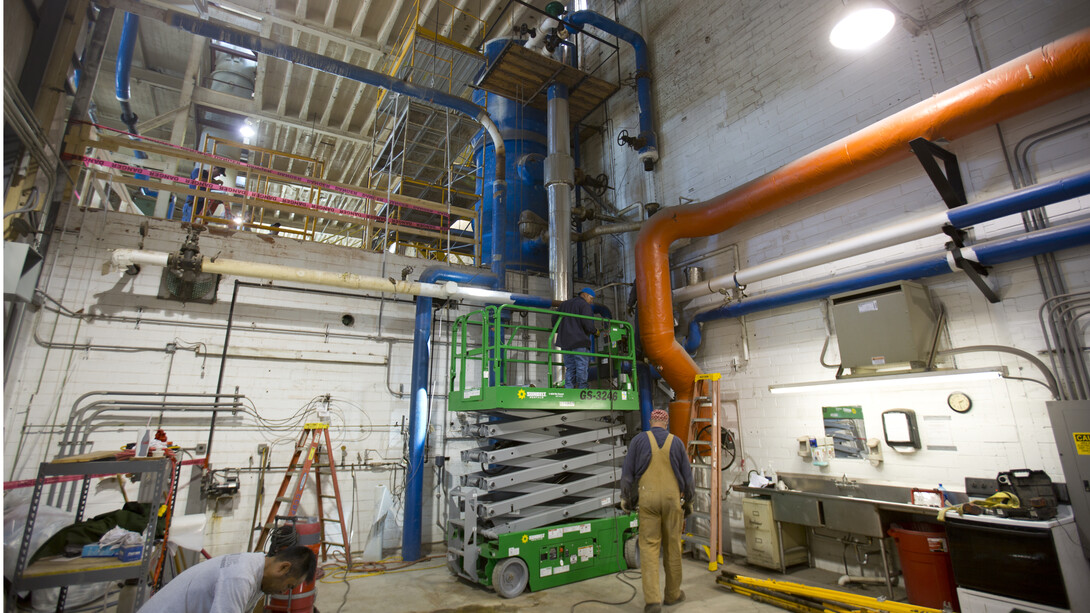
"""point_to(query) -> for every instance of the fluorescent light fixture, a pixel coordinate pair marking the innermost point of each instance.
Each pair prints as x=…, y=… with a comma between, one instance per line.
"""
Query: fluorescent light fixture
x=861, y=27
x=247, y=130
x=905, y=380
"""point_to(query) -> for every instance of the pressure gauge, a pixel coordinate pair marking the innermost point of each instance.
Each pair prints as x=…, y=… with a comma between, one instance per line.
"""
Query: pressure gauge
x=959, y=402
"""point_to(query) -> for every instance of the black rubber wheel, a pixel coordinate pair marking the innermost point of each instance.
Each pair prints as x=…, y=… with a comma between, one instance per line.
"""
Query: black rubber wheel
x=510, y=576
x=632, y=552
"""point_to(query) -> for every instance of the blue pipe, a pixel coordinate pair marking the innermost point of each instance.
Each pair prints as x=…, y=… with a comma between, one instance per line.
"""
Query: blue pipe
x=1056, y=238
x=418, y=402
x=643, y=383
x=418, y=393
x=1021, y=200
x=313, y=60
x=125, y=50
x=649, y=152
x=991, y=253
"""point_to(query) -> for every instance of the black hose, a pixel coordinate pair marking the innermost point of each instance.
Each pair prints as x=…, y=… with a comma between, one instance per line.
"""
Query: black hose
x=283, y=537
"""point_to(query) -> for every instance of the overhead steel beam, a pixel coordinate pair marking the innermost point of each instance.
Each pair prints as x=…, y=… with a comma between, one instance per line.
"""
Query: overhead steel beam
x=230, y=13
x=233, y=104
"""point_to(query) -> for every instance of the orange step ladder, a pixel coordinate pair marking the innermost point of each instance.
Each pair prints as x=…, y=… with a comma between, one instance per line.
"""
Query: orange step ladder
x=704, y=452
x=314, y=446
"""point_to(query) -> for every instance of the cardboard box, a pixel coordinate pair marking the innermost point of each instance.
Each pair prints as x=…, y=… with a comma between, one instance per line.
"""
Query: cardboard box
x=126, y=554
x=131, y=554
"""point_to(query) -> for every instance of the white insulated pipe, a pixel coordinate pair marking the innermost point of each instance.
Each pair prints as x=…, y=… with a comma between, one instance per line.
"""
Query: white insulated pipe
x=846, y=579
x=920, y=227
x=122, y=258
x=537, y=41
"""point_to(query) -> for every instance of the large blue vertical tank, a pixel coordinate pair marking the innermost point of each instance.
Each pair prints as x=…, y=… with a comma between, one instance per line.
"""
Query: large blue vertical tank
x=524, y=133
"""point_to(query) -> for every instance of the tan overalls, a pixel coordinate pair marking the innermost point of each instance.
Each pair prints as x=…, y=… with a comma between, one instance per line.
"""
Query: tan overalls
x=660, y=523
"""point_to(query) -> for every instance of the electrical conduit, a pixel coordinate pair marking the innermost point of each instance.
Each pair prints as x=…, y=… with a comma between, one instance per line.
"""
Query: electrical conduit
x=1032, y=80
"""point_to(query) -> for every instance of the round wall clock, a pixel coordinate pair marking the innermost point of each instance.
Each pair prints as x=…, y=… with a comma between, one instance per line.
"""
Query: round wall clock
x=959, y=402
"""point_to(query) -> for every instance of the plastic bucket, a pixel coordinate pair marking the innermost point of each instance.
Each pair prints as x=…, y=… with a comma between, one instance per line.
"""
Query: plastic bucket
x=925, y=562
x=301, y=599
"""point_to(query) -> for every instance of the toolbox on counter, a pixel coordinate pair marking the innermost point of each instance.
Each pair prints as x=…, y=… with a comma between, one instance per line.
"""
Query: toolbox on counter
x=1034, y=490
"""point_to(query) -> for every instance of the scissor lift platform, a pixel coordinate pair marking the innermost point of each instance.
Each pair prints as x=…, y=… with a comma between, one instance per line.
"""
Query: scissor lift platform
x=542, y=508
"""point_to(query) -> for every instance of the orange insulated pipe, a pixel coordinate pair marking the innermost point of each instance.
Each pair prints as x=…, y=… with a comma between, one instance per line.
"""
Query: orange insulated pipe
x=1049, y=73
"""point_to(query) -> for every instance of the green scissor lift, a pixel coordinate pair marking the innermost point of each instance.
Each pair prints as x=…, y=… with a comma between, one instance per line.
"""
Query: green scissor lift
x=541, y=509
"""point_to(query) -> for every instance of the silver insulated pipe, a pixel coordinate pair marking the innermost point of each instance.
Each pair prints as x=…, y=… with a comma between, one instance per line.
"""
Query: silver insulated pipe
x=559, y=178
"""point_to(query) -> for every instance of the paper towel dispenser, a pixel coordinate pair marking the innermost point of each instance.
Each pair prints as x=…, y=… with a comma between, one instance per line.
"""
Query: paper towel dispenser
x=891, y=324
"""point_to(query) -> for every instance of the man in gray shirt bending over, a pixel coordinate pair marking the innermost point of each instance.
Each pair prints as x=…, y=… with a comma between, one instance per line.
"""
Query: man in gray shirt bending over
x=234, y=583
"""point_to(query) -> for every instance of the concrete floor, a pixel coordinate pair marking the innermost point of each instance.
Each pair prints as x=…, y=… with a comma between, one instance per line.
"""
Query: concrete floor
x=434, y=589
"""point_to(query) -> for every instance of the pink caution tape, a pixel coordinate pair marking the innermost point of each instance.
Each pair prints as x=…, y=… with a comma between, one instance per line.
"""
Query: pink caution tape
x=295, y=178
x=89, y=162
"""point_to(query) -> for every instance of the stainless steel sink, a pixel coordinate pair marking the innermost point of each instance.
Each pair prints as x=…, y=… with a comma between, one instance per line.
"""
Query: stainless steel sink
x=847, y=488
x=841, y=504
x=855, y=516
x=793, y=509
x=888, y=497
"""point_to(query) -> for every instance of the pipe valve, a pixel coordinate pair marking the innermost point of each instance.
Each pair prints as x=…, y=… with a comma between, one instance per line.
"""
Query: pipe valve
x=636, y=142
x=186, y=264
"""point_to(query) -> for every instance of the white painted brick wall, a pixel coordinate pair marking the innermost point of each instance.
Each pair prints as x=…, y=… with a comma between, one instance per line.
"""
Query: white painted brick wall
x=369, y=419
x=767, y=88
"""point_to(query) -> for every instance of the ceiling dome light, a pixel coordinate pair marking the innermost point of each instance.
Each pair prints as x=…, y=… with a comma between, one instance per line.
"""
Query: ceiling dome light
x=247, y=130
x=861, y=28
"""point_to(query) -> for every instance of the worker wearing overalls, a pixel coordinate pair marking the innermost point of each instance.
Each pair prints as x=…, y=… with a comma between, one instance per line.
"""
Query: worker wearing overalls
x=656, y=477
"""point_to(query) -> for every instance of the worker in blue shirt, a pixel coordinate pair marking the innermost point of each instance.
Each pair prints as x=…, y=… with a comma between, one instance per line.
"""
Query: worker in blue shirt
x=656, y=479
x=573, y=334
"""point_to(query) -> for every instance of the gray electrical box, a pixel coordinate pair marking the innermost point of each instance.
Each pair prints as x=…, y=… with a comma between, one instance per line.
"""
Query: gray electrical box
x=884, y=325
x=1071, y=427
x=22, y=267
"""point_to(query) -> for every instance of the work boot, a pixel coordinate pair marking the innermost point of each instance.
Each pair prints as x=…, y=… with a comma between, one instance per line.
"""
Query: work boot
x=680, y=597
x=652, y=607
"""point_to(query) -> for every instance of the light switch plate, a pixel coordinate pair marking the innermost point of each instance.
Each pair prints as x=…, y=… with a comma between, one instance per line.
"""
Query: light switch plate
x=978, y=487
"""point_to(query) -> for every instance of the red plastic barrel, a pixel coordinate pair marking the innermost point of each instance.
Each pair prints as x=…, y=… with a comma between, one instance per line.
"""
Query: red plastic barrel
x=301, y=599
x=925, y=561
